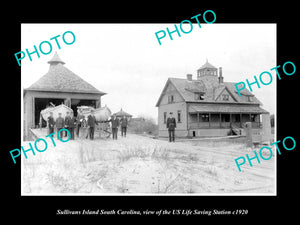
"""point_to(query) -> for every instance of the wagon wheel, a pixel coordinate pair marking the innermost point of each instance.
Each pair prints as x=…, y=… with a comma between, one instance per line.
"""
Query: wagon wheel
x=104, y=133
x=103, y=130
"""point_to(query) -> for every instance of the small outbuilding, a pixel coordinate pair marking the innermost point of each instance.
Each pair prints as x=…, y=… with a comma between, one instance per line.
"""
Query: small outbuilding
x=122, y=113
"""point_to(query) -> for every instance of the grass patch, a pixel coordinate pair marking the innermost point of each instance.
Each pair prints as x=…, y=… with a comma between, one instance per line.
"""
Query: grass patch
x=136, y=152
x=161, y=154
x=64, y=184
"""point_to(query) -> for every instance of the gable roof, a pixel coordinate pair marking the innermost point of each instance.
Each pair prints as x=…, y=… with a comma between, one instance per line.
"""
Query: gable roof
x=61, y=79
x=187, y=89
x=220, y=90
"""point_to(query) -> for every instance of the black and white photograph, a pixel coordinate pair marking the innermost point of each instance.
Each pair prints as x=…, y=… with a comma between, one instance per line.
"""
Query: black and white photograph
x=143, y=118
x=180, y=110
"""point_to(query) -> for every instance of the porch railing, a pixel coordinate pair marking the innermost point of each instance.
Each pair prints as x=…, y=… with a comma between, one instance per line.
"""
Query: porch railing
x=195, y=125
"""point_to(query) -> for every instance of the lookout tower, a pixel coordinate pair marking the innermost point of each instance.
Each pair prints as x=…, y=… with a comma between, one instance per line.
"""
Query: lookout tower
x=208, y=74
x=207, y=70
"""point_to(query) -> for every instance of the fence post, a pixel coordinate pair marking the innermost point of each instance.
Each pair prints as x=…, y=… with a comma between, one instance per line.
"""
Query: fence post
x=248, y=129
x=266, y=129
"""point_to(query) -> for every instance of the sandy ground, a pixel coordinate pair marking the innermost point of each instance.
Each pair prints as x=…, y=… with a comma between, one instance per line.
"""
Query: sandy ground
x=142, y=165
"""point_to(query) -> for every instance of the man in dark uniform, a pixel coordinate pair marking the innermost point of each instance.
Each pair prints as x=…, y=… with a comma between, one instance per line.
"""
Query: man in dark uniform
x=51, y=123
x=67, y=122
x=114, y=126
x=72, y=125
x=124, y=123
x=91, y=121
x=60, y=123
x=171, y=125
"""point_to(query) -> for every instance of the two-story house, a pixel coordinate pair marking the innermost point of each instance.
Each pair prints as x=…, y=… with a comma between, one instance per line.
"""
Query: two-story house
x=208, y=106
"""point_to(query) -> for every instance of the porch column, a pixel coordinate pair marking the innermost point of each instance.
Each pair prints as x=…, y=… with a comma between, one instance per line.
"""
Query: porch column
x=209, y=120
x=198, y=119
x=220, y=120
x=32, y=112
x=241, y=120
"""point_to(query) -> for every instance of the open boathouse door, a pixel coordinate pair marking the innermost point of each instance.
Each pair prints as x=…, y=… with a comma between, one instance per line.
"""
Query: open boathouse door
x=42, y=103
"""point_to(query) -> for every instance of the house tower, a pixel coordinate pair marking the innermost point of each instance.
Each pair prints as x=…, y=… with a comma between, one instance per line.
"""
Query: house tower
x=208, y=74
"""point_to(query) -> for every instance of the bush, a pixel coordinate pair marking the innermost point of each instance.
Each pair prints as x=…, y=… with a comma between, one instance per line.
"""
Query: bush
x=142, y=125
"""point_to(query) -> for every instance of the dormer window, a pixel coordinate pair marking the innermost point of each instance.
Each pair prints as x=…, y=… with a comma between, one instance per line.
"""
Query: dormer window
x=199, y=96
x=250, y=98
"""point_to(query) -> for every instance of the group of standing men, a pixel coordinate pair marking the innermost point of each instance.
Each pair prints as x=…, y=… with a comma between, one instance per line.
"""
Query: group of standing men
x=85, y=127
x=115, y=123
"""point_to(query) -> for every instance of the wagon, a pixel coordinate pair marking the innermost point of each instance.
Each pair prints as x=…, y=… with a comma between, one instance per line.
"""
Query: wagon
x=102, y=115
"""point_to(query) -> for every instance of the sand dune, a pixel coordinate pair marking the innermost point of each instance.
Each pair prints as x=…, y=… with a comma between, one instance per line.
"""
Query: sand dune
x=142, y=165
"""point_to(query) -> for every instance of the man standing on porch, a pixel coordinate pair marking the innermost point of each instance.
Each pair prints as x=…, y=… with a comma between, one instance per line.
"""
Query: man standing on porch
x=171, y=125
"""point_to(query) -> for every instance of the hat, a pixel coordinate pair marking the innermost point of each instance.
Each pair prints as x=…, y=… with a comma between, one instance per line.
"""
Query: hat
x=171, y=113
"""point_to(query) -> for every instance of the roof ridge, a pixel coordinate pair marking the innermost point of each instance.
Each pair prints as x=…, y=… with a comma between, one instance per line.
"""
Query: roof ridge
x=61, y=79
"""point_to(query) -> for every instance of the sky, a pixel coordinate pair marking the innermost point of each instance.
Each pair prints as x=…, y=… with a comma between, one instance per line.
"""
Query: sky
x=126, y=61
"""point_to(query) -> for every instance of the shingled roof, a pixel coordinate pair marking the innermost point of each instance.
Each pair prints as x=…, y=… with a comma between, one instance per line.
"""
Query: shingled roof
x=61, y=79
x=224, y=108
x=187, y=90
x=122, y=113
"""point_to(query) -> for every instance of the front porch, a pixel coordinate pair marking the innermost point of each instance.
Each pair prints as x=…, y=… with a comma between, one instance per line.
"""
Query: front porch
x=223, y=120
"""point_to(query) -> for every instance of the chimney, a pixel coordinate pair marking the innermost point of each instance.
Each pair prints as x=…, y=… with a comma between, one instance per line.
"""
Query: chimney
x=221, y=78
x=189, y=76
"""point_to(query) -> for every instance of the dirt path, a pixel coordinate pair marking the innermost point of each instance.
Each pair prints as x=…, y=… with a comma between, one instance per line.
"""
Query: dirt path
x=141, y=165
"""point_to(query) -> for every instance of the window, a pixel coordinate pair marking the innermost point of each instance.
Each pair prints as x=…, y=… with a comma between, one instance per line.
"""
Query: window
x=225, y=97
x=250, y=98
x=170, y=98
x=165, y=117
x=204, y=117
x=225, y=117
x=199, y=96
x=236, y=118
x=179, y=116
